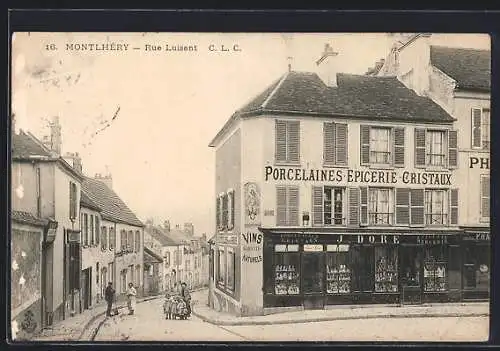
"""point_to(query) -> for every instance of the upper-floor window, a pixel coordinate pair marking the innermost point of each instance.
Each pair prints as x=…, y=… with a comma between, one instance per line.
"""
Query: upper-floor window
x=97, y=229
x=39, y=193
x=123, y=239
x=335, y=143
x=436, y=207
x=85, y=229
x=112, y=238
x=287, y=203
x=137, y=241
x=380, y=206
x=130, y=240
x=166, y=259
x=230, y=209
x=91, y=227
x=329, y=205
x=225, y=210
x=73, y=201
x=287, y=135
x=104, y=239
x=480, y=137
x=382, y=145
x=436, y=148
x=485, y=198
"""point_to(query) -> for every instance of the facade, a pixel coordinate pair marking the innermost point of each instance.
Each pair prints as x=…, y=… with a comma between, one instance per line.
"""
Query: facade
x=122, y=234
x=153, y=263
x=350, y=195
x=459, y=80
x=36, y=170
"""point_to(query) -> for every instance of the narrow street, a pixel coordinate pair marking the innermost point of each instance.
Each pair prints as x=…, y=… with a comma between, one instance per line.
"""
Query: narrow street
x=149, y=325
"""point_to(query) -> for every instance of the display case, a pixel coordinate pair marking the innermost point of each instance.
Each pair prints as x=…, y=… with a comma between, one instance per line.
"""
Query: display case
x=386, y=270
x=338, y=279
x=434, y=276
x=286, y=280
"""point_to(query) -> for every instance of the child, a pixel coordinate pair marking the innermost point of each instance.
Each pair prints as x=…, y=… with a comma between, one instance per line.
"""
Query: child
x=167, y=306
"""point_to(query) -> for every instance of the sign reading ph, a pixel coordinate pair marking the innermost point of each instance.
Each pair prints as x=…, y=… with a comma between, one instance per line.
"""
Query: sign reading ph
x=479, y=162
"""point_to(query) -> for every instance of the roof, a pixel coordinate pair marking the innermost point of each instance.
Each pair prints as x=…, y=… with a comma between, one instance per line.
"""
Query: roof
x=23, y=146
x=150, y=256
x=158, y=234
x=87, y=202
x=470, y=68
x=112, y=206
x=357, y=96
x=28, y=218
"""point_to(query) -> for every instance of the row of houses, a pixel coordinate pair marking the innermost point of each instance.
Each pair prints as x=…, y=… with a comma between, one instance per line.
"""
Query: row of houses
x=359, y=188
x=72, y=234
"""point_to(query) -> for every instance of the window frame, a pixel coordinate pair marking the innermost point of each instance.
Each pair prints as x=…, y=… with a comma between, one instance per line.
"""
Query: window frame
x=230, y=255
x=445, y=215
x=483, y=111
x=343, y=219
x=389, y=153
x=444, y=146
x=390, y=206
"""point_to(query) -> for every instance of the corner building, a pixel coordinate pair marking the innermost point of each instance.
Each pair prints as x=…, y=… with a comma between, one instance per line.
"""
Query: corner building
x=335, y=189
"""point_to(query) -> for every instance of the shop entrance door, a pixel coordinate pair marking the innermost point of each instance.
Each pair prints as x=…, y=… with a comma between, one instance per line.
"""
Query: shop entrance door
x=410, y=263
x=313, y=279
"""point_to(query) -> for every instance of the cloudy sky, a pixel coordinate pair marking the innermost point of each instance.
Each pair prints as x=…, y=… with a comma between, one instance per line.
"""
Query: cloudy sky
x=167, y=105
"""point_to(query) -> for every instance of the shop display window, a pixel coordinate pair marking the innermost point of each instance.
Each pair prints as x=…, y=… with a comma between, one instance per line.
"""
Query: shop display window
x=435, y=270
x=338, y=271
x=230, y=269
x=221, y=266
x=286, y=270
x=477, y=267
x=386, y=269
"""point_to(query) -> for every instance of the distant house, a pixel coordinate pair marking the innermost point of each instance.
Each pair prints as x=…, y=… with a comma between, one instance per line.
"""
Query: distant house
x=153, y=263
x=123, y=235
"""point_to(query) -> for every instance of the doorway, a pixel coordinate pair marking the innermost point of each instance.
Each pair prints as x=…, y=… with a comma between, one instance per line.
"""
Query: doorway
x=411, y=270
x=87, y=287
x=313, y=280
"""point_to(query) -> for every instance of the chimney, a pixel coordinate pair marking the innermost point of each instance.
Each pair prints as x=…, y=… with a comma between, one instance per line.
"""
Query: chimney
x=327, y=69
x=189, y=228
x=74, y=160
x=166, y=225
x=106, y=179
x=54, y=141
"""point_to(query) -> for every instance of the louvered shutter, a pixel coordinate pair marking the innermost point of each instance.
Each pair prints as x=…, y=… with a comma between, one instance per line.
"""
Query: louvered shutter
x=476, y=127
x=354, y=206
x=402, y=206
x=293, y=141
x=317, y=205
x=364, y=205
x=280, y=141
x=419, y=147
x=485, y=197
x=454, y=206
x=217, y=209
x=341, y=144
x=452, y=149
x=365, y=144
x=329, y=143
x=281, y=201
x=71, y=200
x=293, y=206
x=417, y=207
x=399, y=147
x=231, y=217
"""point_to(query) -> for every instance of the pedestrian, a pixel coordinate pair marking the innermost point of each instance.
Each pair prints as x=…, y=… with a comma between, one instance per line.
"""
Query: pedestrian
x=109, y=296
x=186, y=296
x=131, y=298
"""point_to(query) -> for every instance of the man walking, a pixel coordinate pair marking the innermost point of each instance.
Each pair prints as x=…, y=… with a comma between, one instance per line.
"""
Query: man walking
x=109, y=295
x=186, y=296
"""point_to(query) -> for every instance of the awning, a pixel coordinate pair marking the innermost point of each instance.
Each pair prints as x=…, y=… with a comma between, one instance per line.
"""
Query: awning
x=151, y=257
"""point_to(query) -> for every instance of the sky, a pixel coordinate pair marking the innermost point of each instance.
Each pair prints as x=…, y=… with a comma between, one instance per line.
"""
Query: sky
x=147, y=116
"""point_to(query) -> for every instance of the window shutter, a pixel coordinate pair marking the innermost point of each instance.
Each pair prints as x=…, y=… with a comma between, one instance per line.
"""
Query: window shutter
x=454, y=206
x=97, y=229
x=417, y=206
x=293, y=135
x=231, y=218
x=476, y=127
x=485, y=197
x=281, y=201
x=280, y=141
x=341, y=144
x=329, y=143
x=452, y=149
x=365, y=144
x=419, y=147
x=354, y=206
x=217, y=210
x=71, y=201
x=364, y=205
x=317, y=205
x=402, y=206
x=399, y=147
x=293, y=206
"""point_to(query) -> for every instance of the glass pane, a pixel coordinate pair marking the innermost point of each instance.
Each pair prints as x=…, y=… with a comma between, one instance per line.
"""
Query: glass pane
x=286, y=274
x=338, y=273
x=312, y=267
x=386, y=269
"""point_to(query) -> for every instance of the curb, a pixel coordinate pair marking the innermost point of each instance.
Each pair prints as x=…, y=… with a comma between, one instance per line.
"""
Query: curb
x=339, y=318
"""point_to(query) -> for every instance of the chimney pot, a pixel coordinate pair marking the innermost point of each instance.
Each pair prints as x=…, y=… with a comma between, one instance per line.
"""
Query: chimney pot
x=327, y=69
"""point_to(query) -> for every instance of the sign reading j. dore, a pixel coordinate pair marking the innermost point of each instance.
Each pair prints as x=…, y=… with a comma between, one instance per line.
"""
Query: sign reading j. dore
x=357, y=176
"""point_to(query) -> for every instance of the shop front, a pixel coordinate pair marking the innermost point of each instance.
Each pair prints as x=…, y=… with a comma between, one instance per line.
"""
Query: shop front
x=314, y=270
x=476, y=249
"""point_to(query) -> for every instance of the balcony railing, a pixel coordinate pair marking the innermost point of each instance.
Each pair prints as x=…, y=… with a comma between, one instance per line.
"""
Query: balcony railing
x=381, y=218
x=380, y=157
x=436, y=219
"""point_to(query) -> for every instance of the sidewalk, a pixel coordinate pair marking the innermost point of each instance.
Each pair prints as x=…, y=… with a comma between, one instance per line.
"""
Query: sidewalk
x=474, y=309
x=74, y=328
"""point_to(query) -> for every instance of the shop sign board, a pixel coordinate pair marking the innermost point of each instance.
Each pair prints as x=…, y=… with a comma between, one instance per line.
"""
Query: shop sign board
x=479, y=236
x=313, y=247
x=353, y=238
x=251, y=246
x=227, y=239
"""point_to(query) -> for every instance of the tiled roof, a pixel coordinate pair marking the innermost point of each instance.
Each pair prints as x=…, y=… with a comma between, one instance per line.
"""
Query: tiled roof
x=470, y=68
x=357, y=96
x=23, y=146
x=26, y=217
x=113, y=208
x=150, y=256
x=86, y=201
x=159, y=235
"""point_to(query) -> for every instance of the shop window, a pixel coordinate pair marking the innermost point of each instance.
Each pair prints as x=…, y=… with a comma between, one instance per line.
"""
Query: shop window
x=286, y=269
x=380, y=206
x=338, y=271
x=334, y=143
x=230, y=269
x=480, y=128
x=287, y=141
x=386, y=269
x=477, y=267
x=436, y=207
x=435, y=268
x=362, y=261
